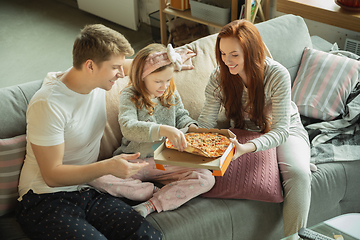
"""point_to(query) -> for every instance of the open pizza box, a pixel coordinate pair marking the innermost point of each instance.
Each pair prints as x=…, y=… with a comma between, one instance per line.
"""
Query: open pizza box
x=167, y=156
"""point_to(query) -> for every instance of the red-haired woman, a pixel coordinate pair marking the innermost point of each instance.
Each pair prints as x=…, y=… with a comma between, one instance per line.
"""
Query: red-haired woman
x=255, y=92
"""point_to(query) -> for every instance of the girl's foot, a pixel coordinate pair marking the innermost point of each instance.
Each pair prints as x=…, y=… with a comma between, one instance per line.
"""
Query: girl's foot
x=145, y=208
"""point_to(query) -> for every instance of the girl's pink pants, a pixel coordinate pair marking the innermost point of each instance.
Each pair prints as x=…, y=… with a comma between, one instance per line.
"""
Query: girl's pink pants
x=180, y=185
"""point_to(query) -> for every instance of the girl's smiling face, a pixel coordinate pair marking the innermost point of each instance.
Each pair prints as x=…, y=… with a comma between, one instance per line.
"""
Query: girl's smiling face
x=232, y=55
x=156, y=83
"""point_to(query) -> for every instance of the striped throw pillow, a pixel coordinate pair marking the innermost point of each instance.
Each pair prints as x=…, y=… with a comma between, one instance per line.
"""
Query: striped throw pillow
x=12, y=155
x=323, y=83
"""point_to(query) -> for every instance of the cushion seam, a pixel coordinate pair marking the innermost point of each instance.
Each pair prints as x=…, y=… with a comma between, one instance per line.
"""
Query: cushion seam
x=231, y=218
x=23, y=94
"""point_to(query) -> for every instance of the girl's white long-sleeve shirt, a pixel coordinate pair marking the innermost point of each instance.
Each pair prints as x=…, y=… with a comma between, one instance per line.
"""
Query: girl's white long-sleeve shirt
x=141, y=130
x=281, y=110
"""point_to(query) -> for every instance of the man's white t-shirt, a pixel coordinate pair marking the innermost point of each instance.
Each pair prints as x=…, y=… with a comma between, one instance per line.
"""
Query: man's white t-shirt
x=57, y=115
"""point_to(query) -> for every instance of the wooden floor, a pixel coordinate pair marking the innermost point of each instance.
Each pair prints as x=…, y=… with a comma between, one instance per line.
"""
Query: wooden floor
x=36, y=37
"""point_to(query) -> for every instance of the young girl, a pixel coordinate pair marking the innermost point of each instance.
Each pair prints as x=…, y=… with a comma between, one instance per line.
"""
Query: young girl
x=151, y=110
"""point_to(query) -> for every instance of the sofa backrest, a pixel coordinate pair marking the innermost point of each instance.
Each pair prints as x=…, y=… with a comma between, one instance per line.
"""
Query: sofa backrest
x=286, y=37
x=13, y=105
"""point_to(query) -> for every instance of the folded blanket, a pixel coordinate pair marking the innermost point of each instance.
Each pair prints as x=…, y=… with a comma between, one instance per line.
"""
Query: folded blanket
x=343, y=147
x=339, y=139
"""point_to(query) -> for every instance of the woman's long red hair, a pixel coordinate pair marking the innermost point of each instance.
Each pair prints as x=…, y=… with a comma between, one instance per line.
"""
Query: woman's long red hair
x=232, y=86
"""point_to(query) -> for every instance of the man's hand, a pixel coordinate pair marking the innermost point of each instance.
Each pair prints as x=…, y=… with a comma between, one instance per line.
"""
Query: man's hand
x=122, y=168
x=56, y=174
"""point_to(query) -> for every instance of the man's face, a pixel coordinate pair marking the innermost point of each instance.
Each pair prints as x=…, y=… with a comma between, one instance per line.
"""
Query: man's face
x=109, y=71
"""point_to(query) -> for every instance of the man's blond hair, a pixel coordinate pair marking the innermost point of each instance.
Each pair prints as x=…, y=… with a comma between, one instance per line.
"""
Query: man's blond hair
x=98, y=43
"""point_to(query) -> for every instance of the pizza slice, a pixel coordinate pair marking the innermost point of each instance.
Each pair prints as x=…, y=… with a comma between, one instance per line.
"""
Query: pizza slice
x=204, y=144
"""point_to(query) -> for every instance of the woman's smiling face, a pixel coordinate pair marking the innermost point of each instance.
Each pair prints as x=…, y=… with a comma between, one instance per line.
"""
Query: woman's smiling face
x=232, y=55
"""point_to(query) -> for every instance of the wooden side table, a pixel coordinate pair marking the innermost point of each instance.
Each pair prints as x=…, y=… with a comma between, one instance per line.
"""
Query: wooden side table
x=327, y=12
x=262, y=7
x=263, y=10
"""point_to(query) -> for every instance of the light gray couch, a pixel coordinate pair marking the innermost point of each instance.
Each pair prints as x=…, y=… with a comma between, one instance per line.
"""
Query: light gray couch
x=335, y=188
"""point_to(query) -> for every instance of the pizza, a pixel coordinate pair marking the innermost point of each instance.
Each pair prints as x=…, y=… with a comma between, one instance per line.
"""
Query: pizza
x=204, y=144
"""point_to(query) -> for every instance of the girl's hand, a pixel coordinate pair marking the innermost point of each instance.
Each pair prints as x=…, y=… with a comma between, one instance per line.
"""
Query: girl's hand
x=193, y=125
x=241, y=149
x=175, y=136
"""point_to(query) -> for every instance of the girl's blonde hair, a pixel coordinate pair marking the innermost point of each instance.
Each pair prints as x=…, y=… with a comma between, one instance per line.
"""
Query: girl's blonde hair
x=99, y=43
x=141, y=97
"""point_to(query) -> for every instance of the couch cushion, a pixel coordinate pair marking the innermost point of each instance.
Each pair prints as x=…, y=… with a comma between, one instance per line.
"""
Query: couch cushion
x=205, y=218
x=191, y=83
x=286, y=37
x=12, y=154
x=328, y=187
x=10, y=228
x=253, y=176
x=13, y=105
x=351, y=199
x=192, y=220
x=111, y=139
x=323, y=84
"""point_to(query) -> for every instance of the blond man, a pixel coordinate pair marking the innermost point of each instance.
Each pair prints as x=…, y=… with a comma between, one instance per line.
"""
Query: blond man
x=65, y=122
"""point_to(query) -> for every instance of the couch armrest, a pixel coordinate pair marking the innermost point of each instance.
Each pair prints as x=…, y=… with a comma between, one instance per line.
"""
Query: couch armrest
x=321, y=44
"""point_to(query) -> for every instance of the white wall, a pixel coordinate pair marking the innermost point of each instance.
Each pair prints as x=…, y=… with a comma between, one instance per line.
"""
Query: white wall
x=145, y=8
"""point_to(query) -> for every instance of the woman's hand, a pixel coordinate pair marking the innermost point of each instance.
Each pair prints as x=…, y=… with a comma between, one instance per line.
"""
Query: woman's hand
x=175, y=136
x=241, y=149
